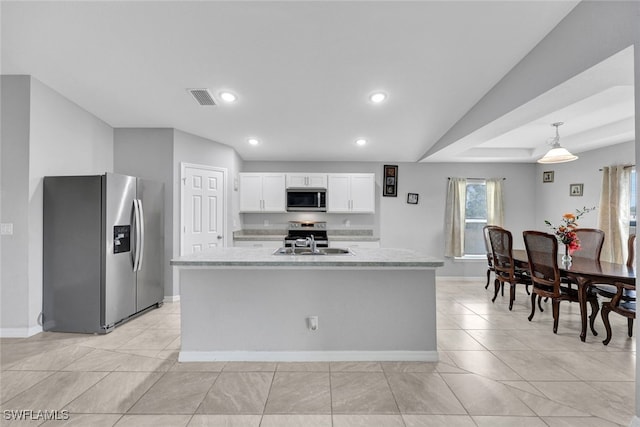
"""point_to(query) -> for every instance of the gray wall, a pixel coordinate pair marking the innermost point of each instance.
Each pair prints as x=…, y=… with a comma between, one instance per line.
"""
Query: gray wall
x=14, y=290
x=419, y=227
x=158, y=154
x=148, y=153
x=50, y=136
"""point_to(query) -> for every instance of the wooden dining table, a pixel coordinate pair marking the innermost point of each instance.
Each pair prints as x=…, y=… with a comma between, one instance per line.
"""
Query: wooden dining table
x=585, y=273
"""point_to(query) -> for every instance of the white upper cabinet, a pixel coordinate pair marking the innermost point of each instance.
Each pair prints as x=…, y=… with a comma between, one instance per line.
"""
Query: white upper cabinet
x=262, y=192
x=306, y=180
x=351, y=192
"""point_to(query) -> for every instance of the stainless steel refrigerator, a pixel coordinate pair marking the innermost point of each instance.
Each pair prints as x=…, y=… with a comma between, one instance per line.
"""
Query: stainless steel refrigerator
x=103, y=249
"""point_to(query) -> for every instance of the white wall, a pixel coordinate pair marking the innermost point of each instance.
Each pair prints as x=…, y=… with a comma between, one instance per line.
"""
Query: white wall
x=148, y=153
x=190, y=148
x=554, y=197
x=421, y=226
x=61, y=139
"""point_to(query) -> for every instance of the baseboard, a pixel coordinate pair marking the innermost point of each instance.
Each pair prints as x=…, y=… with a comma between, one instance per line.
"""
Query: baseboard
x=308, y=356
x=20, y=332
x=171, y=298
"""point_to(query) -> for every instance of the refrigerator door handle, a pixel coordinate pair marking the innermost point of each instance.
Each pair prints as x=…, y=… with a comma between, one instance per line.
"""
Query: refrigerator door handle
x=136, y=233
x=141, y=241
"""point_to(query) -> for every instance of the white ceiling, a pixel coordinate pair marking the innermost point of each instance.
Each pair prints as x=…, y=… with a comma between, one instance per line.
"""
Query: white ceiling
x=303, y=71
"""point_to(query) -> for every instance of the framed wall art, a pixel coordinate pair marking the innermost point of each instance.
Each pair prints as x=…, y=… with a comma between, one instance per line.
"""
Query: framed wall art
x=412, y=198
x=576, y=189
x=547, y=176
x=390, y=183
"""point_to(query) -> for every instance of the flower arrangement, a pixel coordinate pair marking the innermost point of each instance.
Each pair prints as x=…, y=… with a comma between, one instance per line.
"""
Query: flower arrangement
x=565, y=232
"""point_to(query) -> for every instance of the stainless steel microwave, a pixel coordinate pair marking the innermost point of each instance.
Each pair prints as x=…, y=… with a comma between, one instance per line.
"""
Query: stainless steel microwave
x=306, y=200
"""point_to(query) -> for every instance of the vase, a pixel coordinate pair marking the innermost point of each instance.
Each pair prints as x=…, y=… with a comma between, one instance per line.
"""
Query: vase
x=566, y=258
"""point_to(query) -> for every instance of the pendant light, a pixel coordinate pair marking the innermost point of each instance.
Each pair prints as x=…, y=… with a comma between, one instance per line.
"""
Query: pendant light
x=557, y=154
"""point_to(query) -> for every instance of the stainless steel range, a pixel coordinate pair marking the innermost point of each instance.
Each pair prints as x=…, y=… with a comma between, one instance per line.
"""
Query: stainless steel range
x=301, y=230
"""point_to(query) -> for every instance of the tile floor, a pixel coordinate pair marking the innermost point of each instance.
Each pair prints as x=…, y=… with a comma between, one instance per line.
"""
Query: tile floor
x=496, y=369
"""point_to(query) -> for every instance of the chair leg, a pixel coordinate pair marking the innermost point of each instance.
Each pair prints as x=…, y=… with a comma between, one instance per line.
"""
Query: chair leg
x=630, y=327
x=540, y=303
x=533, y=305
x=556, y=314
x=488, y=277
x=526, y=287
x=605, y=319
x=594, y=313
x=496, y=286
x=512, y=295
x=502, y=287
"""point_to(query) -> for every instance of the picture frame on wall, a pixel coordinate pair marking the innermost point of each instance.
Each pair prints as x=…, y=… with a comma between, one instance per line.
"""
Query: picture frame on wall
x=547, y=176
x=576, y=189
x=390, y=181
x=412, y=198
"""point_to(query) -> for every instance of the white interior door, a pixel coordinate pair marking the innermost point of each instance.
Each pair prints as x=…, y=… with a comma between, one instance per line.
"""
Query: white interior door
x=203, y=207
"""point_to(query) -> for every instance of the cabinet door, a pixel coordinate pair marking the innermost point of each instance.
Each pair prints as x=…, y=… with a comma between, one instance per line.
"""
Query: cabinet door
x=306, y=180
x=273, y=193
x=250, y=192
x=317, y=180
x=296, y=180
x=363, y=193
x=338, y=194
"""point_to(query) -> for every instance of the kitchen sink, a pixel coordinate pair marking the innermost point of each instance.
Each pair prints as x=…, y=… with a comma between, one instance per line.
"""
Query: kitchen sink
x=307, y=251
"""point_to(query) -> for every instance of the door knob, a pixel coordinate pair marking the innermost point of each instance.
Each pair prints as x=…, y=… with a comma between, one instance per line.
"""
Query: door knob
x=219, y=237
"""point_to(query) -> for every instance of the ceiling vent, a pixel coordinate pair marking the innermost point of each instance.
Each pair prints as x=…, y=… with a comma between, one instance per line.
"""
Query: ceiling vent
x=203, y=96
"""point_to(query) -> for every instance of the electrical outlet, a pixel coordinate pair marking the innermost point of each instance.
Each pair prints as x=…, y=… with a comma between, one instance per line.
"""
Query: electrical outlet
x=6, y=229
x=312, y=323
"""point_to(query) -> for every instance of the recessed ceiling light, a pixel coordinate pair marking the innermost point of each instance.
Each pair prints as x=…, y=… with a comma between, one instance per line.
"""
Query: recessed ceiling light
x=378, y=97
x=253, y=141
x=228, y=96
x=361, y=142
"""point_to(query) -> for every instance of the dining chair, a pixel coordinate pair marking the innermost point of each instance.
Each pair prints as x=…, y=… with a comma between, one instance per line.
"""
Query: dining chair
x=622, y=297
x=618, y=304
x=504, y=267
x=542, y=255
x=591, y=241
x=487, y=246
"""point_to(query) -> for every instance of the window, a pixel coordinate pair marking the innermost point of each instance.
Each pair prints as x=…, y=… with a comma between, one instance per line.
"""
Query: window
x=475, y=217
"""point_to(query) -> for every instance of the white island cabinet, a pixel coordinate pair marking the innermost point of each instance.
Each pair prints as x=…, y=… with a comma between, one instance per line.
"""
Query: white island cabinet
x=262, y=192
x=246, y=304
x=351, y=193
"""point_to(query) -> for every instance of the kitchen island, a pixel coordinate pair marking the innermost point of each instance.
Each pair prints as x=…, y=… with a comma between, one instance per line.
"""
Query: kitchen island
x=247, y=304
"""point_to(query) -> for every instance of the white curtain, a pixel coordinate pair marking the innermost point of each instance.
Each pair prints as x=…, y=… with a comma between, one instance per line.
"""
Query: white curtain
x=454, y=217
x=615, y=213
x=495, y=209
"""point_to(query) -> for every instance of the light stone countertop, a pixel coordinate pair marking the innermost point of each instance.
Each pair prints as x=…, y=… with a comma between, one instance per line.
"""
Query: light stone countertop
x=263, y=257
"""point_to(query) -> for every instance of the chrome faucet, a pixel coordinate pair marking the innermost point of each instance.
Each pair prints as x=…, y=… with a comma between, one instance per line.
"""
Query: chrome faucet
x=311, y=242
